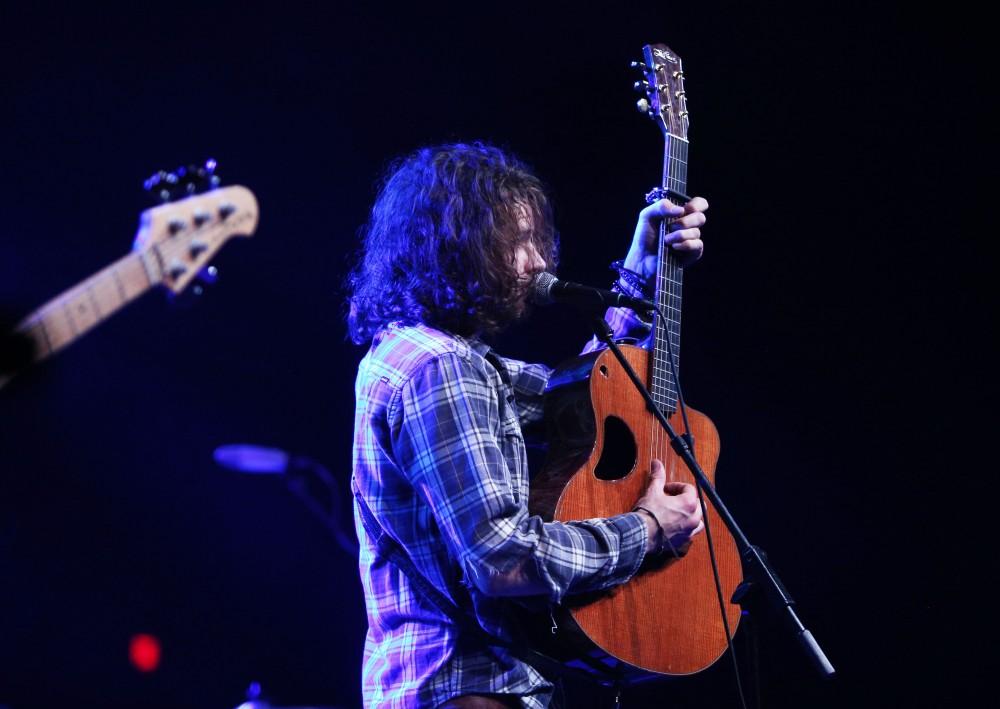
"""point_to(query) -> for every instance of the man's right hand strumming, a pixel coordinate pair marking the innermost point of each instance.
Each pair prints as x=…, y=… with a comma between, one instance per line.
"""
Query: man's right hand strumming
x=672, y=512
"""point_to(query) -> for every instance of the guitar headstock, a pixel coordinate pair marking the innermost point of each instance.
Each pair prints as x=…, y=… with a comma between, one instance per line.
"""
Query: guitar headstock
x=183, y=236
x=663, y=84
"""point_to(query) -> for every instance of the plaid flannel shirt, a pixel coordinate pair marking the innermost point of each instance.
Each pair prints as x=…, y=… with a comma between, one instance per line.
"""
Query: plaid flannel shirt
x=440, y=459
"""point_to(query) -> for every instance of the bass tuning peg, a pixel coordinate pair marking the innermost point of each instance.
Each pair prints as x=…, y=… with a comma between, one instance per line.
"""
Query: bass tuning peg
x=162, y=184
x=184, y=181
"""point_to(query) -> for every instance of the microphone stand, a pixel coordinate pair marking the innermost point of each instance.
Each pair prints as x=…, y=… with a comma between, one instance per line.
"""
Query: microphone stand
x=303, y=477
x=297, y=482
x=757, y=570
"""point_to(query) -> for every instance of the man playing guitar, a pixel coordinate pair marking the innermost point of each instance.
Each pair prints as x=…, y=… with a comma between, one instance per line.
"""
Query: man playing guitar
x=455, y=237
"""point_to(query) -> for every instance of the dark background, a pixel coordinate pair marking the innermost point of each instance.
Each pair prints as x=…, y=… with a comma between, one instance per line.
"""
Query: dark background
x=832, y=330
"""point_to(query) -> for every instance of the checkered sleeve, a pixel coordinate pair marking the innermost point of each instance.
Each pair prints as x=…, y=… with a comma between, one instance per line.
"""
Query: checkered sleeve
x=447, y=424
x=625, y=324
x=528, y=383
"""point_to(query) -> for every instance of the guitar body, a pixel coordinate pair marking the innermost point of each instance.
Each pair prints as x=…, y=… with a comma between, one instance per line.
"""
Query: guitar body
x=666, y=620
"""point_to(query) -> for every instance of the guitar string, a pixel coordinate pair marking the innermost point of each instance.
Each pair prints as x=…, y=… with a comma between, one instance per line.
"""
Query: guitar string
x=670, y=283
x=662, y=265
x=666, y=297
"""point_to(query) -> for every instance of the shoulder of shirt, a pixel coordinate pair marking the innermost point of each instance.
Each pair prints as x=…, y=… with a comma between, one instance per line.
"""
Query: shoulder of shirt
x=400, y=351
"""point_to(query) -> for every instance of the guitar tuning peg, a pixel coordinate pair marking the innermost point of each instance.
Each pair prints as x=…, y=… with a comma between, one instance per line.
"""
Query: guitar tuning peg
x=186, y=180
x=208, y=275
x=642, y=105
x=191, y=295
x=641, y=86
x=175, y=269
x=639, y=65
x=207, y=175
x=159, y=177
x=175, y=226
x=162, y=184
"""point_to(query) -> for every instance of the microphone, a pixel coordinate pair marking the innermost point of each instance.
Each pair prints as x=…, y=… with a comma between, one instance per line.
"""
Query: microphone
x=256, y=460
x=547, y=289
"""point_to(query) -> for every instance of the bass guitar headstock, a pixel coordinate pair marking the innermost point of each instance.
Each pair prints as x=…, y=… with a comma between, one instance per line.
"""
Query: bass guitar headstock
x=183, y=236
x=663, y=84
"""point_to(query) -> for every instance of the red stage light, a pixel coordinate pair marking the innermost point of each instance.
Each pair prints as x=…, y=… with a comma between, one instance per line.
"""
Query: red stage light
x=144, y=652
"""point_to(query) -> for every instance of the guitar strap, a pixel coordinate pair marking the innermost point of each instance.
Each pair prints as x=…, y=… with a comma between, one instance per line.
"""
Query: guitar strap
x=501, y=369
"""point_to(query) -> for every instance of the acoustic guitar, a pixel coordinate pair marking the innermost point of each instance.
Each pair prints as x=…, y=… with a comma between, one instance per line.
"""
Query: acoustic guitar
x=666, y=620
x=173, y=246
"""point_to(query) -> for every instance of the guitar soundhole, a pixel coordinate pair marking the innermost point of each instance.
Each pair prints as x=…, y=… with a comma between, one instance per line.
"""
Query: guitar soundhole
x=619, y=452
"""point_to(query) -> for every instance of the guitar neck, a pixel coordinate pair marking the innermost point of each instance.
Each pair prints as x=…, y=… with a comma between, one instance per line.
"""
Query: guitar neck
x=174, y=243
x=81, y=308
x=669, y=282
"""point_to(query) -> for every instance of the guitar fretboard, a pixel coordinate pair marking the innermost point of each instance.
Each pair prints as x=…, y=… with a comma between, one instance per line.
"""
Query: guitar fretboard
x=669, y=280
x=65, y=318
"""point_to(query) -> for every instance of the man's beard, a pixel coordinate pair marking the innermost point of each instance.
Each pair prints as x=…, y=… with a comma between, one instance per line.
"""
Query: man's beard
x=521, y=301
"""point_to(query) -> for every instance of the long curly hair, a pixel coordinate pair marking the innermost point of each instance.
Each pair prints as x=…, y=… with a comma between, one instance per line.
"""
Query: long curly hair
x=440, y=244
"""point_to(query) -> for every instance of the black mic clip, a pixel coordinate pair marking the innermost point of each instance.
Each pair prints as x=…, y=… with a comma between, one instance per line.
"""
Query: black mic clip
x=547, y=289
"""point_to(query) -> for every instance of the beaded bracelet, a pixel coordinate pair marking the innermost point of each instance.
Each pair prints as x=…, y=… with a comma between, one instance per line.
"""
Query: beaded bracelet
x=631, y=278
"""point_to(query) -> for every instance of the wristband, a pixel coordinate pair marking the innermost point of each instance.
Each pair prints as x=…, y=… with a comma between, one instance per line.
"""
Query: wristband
x=660, y=536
